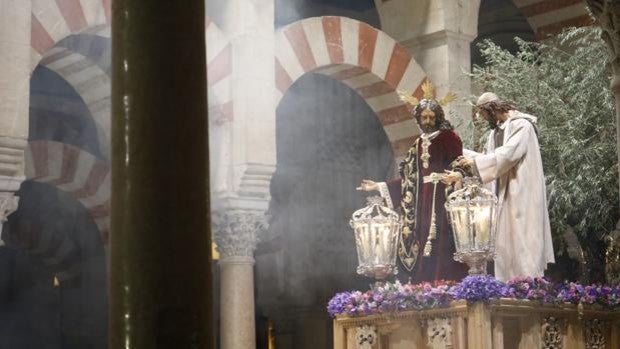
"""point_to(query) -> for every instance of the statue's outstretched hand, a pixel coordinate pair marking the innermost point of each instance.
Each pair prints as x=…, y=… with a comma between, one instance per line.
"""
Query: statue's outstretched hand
x=452, y=177
x=368, y=185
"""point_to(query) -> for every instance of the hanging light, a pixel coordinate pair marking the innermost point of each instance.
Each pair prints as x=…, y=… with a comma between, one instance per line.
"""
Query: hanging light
x=473, y=215
x=377, y=232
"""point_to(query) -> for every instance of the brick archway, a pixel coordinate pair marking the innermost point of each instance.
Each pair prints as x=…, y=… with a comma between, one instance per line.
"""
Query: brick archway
x=360, y=56
x=77, y=172
x=65, y=166
x=52, y=21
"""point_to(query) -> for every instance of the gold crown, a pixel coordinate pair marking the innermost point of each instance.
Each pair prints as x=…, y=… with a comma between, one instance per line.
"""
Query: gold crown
x=429, y=93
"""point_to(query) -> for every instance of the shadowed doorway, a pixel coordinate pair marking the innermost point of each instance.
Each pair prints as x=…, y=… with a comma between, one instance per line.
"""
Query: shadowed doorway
x=328, y=139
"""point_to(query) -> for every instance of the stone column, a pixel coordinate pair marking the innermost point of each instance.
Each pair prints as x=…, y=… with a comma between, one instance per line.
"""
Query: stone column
x=253, y=156
x=236, y=234
x=446, y=57
x=160, y=273
x=438, y=34
x=247, y=172
x=15, y=49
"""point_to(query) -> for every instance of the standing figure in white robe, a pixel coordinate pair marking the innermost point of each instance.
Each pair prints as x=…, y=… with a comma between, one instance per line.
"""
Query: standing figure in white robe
x=512, y=167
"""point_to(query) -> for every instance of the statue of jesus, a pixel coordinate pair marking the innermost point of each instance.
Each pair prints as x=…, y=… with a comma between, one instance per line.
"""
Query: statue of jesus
x=427, y=246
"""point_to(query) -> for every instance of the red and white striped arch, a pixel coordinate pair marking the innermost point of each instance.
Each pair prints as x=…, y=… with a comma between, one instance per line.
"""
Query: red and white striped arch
x=362, y=57
x=53, y=20
x=65, y=166
x=77, y=172
x=90, y=82
x=548, y=17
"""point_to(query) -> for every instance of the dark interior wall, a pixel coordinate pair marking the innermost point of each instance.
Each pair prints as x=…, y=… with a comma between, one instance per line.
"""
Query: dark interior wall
x=57, y=113
x=500, y=21
x=34, y=312
x=289, y=11
x=328, y=139
x=29, y=302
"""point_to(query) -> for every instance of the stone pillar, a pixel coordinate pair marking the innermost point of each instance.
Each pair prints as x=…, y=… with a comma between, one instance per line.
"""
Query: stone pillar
x=15, y=50
x=244, y=198
x=160, y=268
x=253, y=155
x=446, y=57
x=438, y=34
x=236, y=234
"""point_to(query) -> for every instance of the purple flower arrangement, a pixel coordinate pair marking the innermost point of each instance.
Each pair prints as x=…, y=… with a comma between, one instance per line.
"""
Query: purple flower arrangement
x=534, y=289
x=575, y=293
x=391, y=297
x=482, y=288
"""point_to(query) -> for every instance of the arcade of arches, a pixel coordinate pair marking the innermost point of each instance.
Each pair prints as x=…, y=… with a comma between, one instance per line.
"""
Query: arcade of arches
x=302, y=105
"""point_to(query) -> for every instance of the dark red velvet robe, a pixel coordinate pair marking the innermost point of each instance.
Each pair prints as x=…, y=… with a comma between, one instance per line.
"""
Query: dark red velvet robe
x=440, y=265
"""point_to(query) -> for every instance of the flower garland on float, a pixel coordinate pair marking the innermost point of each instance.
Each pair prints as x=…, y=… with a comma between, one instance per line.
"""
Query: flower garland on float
x=393, y=297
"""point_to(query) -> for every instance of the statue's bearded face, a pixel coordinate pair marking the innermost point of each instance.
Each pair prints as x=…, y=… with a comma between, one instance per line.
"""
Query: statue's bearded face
x=427, y=121
x=489, y=117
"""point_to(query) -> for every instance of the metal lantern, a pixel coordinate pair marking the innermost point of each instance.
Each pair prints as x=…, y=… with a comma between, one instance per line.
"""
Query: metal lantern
x=473, y=215
x=377, y=233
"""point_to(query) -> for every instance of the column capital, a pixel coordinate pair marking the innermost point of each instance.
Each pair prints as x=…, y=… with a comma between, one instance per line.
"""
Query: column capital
x=8, y=205
x=236, y=232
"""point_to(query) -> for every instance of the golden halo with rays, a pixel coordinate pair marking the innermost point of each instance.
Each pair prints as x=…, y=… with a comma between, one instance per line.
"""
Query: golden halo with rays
x=429, y=93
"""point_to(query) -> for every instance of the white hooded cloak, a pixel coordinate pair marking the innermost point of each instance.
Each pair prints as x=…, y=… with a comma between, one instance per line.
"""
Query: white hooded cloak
x=523, y=240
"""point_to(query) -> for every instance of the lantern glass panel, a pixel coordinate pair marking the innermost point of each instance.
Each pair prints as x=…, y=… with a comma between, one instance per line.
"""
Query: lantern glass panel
x=377, y=232
x=460, y=224
x=473, y=214
x=481, y=219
